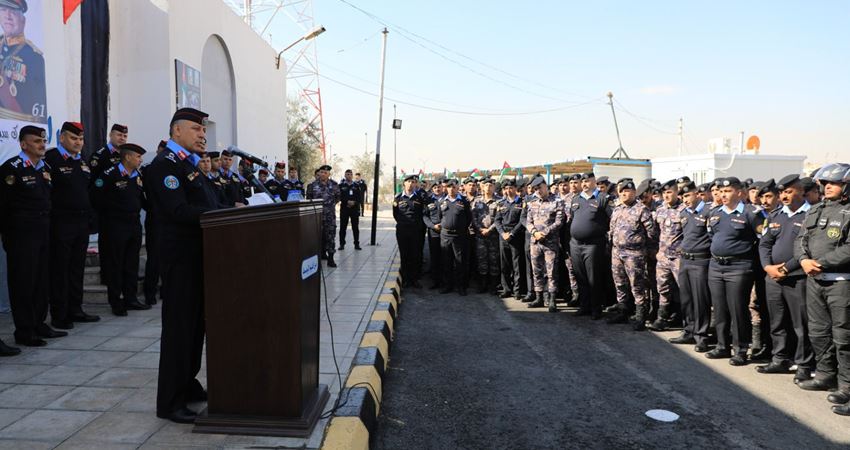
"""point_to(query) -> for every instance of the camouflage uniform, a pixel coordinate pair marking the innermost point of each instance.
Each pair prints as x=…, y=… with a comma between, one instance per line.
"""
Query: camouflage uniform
x=486, y=247
x=669, y=222
x=565, y=251
x=545, y=215
x=329, y=194
x=652, y=264
x=632, y=228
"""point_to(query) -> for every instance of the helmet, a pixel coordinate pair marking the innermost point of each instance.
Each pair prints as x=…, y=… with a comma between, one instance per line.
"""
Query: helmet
x=835, y=173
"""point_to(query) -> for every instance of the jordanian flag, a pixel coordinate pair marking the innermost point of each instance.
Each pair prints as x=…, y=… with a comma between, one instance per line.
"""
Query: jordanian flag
x=476, y=173
x=505, y=169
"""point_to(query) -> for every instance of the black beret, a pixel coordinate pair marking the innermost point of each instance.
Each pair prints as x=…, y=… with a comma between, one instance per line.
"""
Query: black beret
x=263, y=171
x=767, y=186
x=162, y=145
x=716, y=182
x=508, y=182
x=705, y=187
x=20, y=5
x=190, y=114
x=120, y=128
x=748, y=181
x=227, y=153
x=324, y=167
x=787, y=181
x=214, y=154
x=280, y=165
x=731, y=182
x=587, y=175
x=132, y=148
x=808, y=184
x=562, y=179
x=30, y=130
x=522, y=182
x=73, y=128
x=441, y=179
x=690, y=186
x=487, y=180
x=625, y=184
x=624, y=179
x=684, y=179
x=469, y=180
x=753, y=185
x=537, y=181
x=406, y=178
x=575, y=177
x=643, y=187
x=602, y=179
x=670, y=184
x=450, y=182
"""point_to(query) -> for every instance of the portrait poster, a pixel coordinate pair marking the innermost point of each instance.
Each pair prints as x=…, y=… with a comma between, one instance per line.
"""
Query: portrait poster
x=188, y=85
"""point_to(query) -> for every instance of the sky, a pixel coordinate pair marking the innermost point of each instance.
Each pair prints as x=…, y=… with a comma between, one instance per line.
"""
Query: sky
x=526, y=82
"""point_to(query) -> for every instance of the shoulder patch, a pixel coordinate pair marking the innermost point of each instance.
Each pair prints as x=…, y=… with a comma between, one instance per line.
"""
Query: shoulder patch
x=98, y=182
x=171, y=182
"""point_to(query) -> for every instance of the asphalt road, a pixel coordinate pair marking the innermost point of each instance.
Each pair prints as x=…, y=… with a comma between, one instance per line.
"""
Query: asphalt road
x=478, y=372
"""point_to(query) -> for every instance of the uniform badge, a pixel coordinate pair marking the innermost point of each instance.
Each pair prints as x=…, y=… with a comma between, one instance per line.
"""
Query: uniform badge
x=98, y=183
x=139, y=181
x=46, y=175
x=94, y=162
x=760, y=229
x=10, y=180
x=395, y=204
x=833, y=232
x=192, y=176
x=85, y=168
x=171, y=182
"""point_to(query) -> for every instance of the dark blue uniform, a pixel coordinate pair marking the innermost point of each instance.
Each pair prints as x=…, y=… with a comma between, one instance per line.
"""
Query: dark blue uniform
x=236, y=188
x=274, y=188
x=589, y=221
x=454, y=242
x=508, y=220
x=734, y=235
x=786, y=297
x=350, y=201
x=103, y=159
x=179, y=196
x=25, y=227
x=70, y=215
x=693, y=273
x=409, y=229
x=22, y=86
x=290, y=188
x=432, y=216
x=152, y=249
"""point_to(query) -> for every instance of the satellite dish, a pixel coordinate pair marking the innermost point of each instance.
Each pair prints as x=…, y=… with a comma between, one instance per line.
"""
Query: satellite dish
x=753, y=143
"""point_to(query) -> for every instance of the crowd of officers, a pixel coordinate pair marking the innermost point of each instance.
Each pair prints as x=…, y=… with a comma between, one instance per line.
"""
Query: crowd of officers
x=748, y=270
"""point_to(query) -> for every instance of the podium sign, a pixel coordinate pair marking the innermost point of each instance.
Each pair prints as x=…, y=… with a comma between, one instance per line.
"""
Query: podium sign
x=261, y=290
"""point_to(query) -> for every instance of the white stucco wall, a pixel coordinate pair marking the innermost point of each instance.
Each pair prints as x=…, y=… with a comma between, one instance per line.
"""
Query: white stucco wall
x=706, y=167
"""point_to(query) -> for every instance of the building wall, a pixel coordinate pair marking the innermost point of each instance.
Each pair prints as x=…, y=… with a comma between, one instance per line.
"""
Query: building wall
x=706, y=167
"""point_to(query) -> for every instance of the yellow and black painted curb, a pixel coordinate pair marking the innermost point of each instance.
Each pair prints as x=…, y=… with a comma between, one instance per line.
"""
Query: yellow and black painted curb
x=355, y=420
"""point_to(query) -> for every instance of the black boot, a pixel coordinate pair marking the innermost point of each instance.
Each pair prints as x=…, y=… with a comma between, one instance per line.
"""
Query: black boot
x=482, y=283
x=331, y=262
x=528, y=297
x=550, y=298
x=663, y=320
x=640, y=318
x=494, y=285
x=760, y=352
x=620, y=315
x=6, y=350
x=538, y=300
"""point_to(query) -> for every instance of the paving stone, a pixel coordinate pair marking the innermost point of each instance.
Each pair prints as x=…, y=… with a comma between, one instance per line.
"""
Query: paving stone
x=97, y=358
x=142, y=400
x=121, y=427
x=16, y=444
x=126, y=344
x=123, y=377
x=31, y=396
x=145, y=331
x=153, y=347
x=17, y=373
x=77, y=342
x=142, y=360
x=104, y=329
x=179, y=434
x=48, y=425
x=91, y=399
x=46, y=356
x=66, y=375
x=10, y=415
x=76, y=444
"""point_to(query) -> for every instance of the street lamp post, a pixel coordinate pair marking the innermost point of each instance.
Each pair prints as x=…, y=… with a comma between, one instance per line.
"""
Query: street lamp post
x=310, y=35
x=396, y=127
x=378, y=142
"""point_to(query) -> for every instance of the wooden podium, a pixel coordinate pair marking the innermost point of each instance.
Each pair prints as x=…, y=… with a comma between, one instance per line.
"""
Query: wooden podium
x=261, y=290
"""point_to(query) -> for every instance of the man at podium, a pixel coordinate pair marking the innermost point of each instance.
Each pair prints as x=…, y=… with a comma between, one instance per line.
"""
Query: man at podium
x=179, y=195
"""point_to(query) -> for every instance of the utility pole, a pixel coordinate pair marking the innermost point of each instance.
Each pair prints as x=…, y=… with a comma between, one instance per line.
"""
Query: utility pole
x=621, y=152
x=681, y=135
x=378, y=141
x=395, y=148
x=742, y=142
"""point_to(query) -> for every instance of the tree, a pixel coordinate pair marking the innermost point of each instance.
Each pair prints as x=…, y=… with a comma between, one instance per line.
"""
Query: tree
x=303, y=143
x=364, y=164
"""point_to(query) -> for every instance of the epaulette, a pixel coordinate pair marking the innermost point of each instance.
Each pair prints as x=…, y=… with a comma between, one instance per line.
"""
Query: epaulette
x=35, y=49
x=109, y=170
x=171, y=157
x=15, y=162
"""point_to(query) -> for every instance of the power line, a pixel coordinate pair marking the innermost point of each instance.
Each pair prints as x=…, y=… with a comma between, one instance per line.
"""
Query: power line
x=471, y=113
x=643, y=121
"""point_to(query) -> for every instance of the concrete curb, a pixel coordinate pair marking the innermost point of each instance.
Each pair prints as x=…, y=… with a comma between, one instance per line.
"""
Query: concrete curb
x=354, y=421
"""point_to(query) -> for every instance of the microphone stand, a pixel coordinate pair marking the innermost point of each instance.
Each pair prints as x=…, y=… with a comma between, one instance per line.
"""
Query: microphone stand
x=249, y=175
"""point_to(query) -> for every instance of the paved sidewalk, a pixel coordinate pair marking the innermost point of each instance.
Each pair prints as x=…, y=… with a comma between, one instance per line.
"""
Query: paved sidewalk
x=96, y=388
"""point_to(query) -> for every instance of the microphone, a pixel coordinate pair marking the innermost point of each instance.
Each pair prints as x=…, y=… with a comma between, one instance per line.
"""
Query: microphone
x=245, y=155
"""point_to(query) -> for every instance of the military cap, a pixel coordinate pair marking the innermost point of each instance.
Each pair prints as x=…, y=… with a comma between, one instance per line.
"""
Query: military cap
x=716, y=182
x=280, y=165
x=587, y=175
x=684, y=179
x=624, y=184
x=450, y=182
x=808, y=184
x=705, y=187
x=575, y=177
x=753, y=185
x=670, y=184
x=787, y=181
x=521, y=182
x=767, y=186
x=412, y=176
x=537, y=181
x=31, y=130
x=621, y=180
x=324, y=167
x=748, y=182
x=120, y=128
x=132, y=148
x=162, y=145
x=487, y=180
x=190, y=114
x=73, y=128
x=263, y=171
x=731, y=182
x=468, y=180
x=440, y=180
x=227, y=153
x=20, y=5
x=689, y=186
x=561, y=179
x=602, y=179
x=643, y=187
x=508, y=182
x=214, y=154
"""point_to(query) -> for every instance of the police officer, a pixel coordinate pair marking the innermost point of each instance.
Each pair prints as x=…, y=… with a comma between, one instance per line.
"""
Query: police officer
x=152, y=239
x=767, y=198
x=326, y=190
x=431, y=217
x=824, y=254
x=109, y=156
x=351, y=197
x=527, y=195
x=408, y=212
x=22, y=75
x=231, y=181
x=486, y=237
x=693, y=270
x=70, y=213
x=293, y=185
x=179, y=197
x=590, y=213
x=118, y=195
x=811, y=191
x=363, y=190
x=25, y=226
x=544, y=220
x=275, y=184
x=734, y=232
x=511, y=240
x=669, y=223
x=631, y=227
x=786, y=283
x=456, y=218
